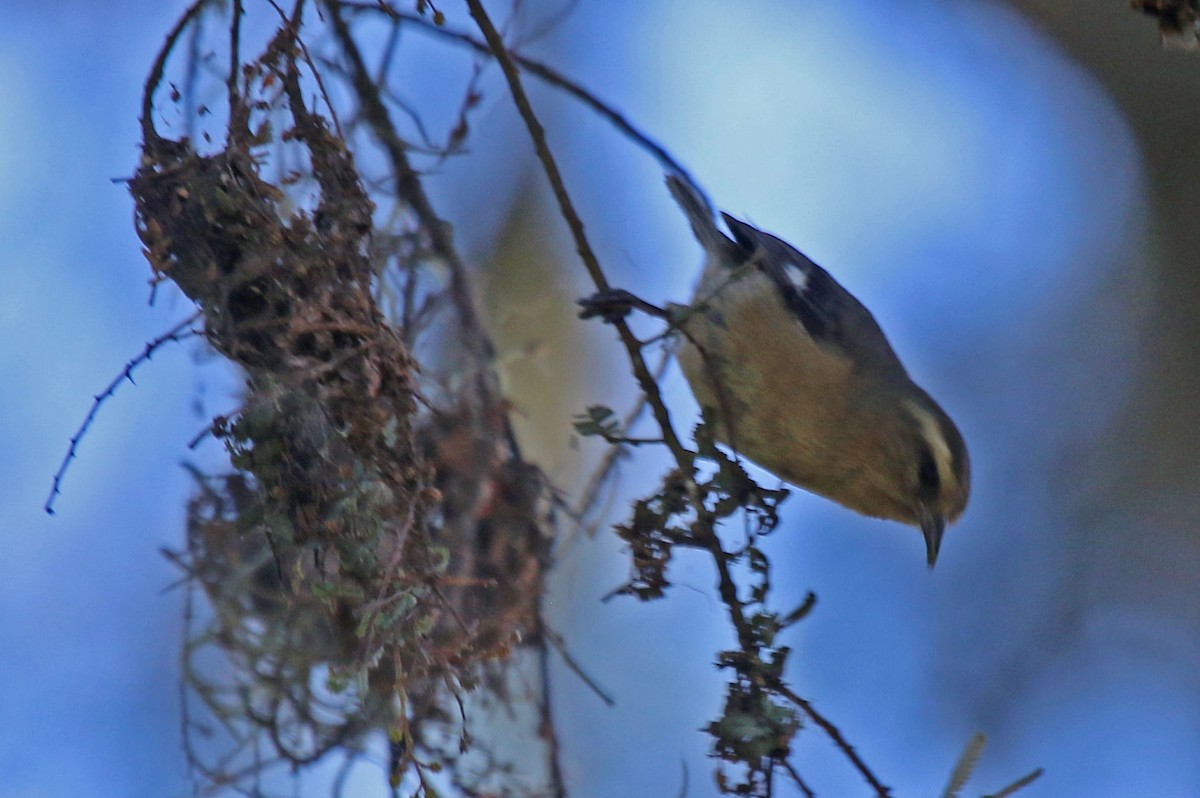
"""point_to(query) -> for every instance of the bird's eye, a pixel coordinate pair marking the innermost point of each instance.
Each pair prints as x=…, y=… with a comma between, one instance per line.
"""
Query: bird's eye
x=929, y=484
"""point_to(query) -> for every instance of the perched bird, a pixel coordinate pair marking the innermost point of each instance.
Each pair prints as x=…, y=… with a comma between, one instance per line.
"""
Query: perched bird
x=801, y=380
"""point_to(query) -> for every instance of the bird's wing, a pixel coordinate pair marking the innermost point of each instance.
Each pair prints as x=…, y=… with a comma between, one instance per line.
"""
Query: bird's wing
x=831, y=315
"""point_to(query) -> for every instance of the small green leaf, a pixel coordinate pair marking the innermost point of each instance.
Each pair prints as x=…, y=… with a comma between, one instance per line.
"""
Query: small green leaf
x=598, y=420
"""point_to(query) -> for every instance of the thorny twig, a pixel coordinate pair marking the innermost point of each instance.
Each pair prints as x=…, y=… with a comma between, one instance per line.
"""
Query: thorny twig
x=179, y=332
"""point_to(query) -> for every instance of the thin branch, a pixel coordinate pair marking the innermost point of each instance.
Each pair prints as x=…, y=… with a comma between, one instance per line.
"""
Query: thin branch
x=546, y=26
x=149, y=134
x=834, y=734
x=560, y=646
x=791, y=771
x=705, y=533
x=552, y=77
x=546, y=715
x=684, y=780
x=389, y=53
x=642, y=374
x=408, y=185
x=191, y=77
x=175, y=334
x=409, y=188
x=293, y=23
x=235, y=57
x=726, y=585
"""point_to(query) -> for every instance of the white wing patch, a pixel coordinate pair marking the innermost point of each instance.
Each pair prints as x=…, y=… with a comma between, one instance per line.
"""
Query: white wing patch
x=797, y=275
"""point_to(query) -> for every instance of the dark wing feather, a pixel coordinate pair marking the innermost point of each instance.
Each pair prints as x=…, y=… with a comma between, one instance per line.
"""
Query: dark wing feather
x=700, y=216
x=831, y=315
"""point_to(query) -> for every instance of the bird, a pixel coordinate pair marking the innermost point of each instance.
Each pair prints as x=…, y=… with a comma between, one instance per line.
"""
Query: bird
x=799, y=378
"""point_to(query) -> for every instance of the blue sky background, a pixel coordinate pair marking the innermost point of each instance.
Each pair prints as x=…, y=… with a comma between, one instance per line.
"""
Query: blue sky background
x=973, y=186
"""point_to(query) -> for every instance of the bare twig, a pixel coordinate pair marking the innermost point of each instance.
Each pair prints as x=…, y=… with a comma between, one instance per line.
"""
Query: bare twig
x=149, y=134
x=546, y=716
x=177, y=333
x=641, y=372
x=835, y=734
x=293, y=24
x=408, y=185
x=235, y=56
x=546, y=26
x=791, y=771
x=560, y=646
x=552, y=77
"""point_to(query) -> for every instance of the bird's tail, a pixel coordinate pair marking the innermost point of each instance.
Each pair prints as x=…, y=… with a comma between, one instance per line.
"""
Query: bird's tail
x=699, y=213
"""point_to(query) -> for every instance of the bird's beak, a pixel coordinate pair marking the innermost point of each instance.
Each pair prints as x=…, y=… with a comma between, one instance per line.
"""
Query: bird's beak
x=932, y=527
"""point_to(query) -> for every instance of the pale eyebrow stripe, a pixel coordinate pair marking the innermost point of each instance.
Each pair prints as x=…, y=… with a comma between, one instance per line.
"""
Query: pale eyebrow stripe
x=931, y=431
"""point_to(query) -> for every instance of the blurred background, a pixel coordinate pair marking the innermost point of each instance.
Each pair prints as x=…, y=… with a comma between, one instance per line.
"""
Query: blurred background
x=1008, y=186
